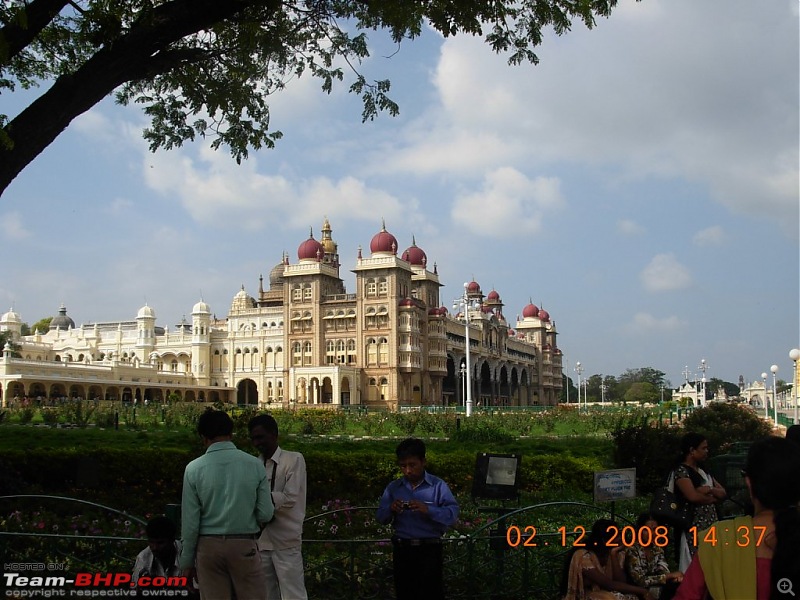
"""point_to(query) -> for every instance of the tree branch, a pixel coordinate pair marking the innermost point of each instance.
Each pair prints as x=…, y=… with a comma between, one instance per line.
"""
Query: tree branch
x=140, y=52
x=16, y=35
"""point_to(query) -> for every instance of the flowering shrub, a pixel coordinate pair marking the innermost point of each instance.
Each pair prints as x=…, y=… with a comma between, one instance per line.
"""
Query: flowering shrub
x=49, y=531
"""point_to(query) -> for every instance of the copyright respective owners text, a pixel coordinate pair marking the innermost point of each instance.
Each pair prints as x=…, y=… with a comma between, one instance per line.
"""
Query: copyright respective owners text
x=50, y=580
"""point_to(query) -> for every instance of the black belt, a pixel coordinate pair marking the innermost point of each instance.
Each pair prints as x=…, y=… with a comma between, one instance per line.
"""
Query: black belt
x=231, y=536
x=416, y=542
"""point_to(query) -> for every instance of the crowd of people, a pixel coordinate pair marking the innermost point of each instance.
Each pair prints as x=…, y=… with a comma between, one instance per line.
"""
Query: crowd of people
x=752, y=557
x=242, y=522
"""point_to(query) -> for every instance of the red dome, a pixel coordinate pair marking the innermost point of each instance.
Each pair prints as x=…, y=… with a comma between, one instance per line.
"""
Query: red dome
x=493, y=295
x=406, y=302
x=473, y=287
x=310, y=249
x=544, y=315
x=486, y=309
x=383, y=241
x=530, y=311
x=415, y=255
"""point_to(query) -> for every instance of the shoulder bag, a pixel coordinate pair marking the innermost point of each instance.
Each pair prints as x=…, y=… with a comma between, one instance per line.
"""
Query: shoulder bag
x=670, y=508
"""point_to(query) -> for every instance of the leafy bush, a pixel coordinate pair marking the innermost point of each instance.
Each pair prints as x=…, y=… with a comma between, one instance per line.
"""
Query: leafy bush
x=724, y=424
x=651, y=450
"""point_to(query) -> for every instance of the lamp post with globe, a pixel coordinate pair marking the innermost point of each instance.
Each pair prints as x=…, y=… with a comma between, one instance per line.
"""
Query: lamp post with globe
x=794, y=354
x=774, y=369
x=464, y=303
x=766, y=396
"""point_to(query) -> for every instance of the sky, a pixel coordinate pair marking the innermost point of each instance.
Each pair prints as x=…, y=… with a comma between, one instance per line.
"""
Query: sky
x=640, y=184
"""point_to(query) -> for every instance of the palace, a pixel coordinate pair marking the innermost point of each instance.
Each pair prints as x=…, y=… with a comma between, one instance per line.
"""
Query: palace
x=303, y=341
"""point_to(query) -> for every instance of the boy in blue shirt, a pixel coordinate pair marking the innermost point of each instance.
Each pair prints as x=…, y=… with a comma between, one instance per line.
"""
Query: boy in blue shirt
x=420, y=508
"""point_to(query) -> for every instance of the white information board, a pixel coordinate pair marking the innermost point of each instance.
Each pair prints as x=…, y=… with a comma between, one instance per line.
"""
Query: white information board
x=616, y=484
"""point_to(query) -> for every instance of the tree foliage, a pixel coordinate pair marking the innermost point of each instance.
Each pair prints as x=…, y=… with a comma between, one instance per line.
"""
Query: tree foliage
x=723, y=424
x=5, y=337
x=641, y=392
x=206, y=68
x=42, y=325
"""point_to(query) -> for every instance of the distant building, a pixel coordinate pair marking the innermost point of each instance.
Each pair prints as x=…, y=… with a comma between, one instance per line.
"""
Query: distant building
x=303, y=341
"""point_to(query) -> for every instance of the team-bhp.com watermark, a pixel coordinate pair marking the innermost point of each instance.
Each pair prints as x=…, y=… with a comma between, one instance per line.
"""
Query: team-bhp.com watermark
x=22, y=580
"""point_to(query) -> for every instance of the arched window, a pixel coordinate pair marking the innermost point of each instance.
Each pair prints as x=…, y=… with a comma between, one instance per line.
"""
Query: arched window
x=383, y=351
x=372, y=352
x=297, y=354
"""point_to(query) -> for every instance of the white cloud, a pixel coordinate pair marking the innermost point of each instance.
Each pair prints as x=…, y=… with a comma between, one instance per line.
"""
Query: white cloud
x=588, y=103
x=643, y=323
x=710, y=236
x=12, y=226
x=628, y=227
x=214, y=190
x=508, y=203
x=664, y=273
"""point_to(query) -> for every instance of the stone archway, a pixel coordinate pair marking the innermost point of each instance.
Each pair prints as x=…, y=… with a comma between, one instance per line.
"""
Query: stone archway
x=246, y=392
x=345, y=392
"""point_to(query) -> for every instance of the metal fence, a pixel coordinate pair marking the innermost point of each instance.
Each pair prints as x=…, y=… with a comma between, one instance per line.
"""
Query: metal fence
x=513, y=554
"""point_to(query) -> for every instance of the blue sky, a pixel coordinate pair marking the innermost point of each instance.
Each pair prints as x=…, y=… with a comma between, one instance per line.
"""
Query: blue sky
x=640, y=183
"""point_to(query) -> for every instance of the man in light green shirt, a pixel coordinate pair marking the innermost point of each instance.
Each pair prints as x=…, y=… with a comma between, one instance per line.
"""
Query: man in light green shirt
x=225, y=503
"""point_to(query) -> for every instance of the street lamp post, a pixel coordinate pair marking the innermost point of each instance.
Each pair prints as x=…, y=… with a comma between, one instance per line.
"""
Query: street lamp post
x=774, y=369
x=579, y=371
x=464, y=384
x=766, y=396
x=459, y=303
x=794, y=354
x=703, y=367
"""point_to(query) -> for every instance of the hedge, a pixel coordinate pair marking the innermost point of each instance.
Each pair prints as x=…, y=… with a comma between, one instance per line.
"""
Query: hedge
x=145, y=483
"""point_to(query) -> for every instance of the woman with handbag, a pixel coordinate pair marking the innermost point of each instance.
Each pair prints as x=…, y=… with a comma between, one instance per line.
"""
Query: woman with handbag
x=698, y=488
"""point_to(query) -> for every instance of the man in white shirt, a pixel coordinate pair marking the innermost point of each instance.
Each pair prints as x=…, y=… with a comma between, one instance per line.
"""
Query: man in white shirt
x=281, y=540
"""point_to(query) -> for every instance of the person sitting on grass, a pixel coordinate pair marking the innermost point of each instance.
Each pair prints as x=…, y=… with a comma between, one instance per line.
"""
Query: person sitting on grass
x=594, y=573
x=160, y=558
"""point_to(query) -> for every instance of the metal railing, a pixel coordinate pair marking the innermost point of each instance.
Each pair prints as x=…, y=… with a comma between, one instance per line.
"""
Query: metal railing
x=518, y=553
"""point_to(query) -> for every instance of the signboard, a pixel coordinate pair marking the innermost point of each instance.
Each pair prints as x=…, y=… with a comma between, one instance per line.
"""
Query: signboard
x=616, y=484
x=496, y=476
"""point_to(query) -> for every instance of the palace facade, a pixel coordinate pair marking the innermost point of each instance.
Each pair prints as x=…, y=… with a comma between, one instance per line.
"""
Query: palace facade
x=304, y=340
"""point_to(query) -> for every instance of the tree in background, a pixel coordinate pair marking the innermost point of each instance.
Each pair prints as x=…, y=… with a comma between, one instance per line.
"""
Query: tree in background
x=42, y=325
x=568, y=384
x=5, y=337
x=205, y=68
x=642, y=392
